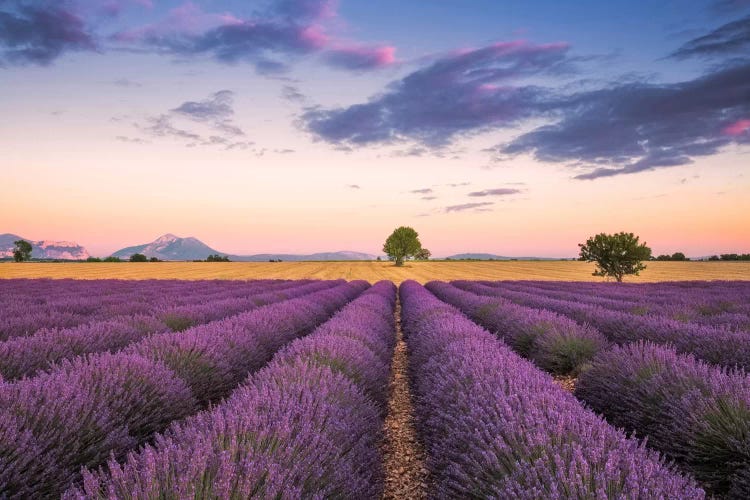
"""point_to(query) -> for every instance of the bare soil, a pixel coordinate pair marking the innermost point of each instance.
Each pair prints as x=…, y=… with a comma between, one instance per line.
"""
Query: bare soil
x=403, y=456
x=566, y=382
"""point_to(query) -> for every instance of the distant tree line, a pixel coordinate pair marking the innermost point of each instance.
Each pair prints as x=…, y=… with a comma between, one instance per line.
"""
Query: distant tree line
x=731, y=256
x=677, y=256
x=214, y=257
x=217, y=258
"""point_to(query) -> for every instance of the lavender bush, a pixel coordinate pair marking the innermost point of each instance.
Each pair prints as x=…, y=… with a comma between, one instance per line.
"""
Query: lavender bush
x=86, y=409
x=713, y=345
x=555, y=343
x=25, y=355
x=697, y=414
x=495, y=426
x=299, y=428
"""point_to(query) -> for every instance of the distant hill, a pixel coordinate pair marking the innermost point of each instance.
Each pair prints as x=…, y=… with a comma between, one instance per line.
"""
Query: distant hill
x=489, y=256
x=171, y=247
x=44, y=249
x=265, y=257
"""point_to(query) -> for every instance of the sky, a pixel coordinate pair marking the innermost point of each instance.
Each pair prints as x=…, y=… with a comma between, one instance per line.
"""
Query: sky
x=512, y=127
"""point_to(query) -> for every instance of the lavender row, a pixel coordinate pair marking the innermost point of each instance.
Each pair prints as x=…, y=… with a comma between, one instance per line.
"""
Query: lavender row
x=697, y=414
x=25, y=356
x=305, y=426
x=553, y=342
x=103, y=405
x=495, y=426
x=662, y=292
x=143, y=298
x=713, y=345
x=86, y=297
x=707, y=306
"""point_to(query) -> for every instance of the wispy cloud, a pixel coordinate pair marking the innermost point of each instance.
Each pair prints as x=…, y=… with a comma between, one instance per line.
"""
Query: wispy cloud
x=469, y=206
x=131, y=140
x=215, y=112
x=495, y=192
x=732, y=38
x=353, y=186
x=292, y=94
x=126, y=83
x=421, y=191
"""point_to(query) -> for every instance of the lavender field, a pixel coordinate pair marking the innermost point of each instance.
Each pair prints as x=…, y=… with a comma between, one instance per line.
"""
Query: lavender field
x=287, y=389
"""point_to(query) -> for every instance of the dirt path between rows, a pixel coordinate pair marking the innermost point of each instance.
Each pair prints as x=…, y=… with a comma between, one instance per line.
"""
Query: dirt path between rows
x=403, y=457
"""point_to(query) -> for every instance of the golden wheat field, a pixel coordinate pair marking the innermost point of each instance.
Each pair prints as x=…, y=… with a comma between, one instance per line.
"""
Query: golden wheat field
x=372, y=271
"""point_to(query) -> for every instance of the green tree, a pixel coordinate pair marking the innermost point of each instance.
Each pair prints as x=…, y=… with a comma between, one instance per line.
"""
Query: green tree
x=616, y=255
x=679, y=256
x=112, y=258
x=423, y=254
x=402, y=244
x=138, y=257
x=22, y=250
x=220, y=258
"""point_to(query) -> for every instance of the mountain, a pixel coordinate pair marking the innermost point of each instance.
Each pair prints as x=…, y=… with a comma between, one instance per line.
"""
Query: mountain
x=489, y=256
x=171, y=247
x=44, y=249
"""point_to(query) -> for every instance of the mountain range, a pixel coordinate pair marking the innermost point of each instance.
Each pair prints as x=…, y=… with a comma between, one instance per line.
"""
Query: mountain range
x=174, y=248
x=44, y=249
x=171, y=247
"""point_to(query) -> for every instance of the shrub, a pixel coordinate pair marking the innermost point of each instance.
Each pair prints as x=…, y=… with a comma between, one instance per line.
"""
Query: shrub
x=494, y=426
x=697, y=414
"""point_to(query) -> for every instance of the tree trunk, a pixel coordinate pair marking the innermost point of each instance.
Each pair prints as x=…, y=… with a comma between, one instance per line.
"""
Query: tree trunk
x=399, y=261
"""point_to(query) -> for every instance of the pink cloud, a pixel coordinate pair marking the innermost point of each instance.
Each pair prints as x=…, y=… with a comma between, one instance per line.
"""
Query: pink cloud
x=314, y=37
x=737, y=128
x=362, y=58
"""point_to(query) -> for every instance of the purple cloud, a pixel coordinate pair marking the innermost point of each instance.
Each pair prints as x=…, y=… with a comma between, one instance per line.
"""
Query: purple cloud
x=40, y=32
x=464, y=92
x=217, y=107
x=357, y=58
x=468, y=206
x=643, y=126
x=263, y=41
x=290, y=28
x=730, y=39
x=215, y=112
x=421, y=191
x=495, y=192
x=292, y=94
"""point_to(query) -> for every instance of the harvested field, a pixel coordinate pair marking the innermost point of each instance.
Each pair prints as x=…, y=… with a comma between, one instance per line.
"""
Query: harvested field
x=371, y=271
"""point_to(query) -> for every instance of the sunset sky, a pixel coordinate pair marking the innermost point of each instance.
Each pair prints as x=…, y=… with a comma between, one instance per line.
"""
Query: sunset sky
x=511, y=127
